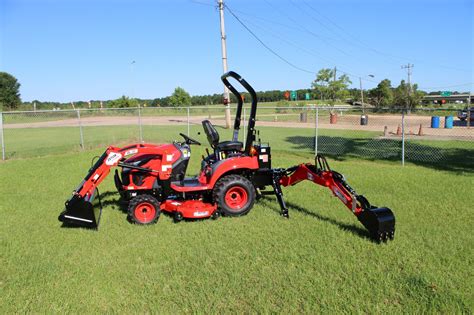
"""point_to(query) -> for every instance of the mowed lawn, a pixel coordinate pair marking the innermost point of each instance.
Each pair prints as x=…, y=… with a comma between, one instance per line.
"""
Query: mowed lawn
x=320, y=260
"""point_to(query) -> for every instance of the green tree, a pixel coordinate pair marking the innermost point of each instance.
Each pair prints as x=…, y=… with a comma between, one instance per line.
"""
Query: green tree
x=123, y=102
x=321, y=84
x=9, y=91
x=382, y=95
x=180, y=97
x=339, y=87
x=326, y=86
x=407, y=96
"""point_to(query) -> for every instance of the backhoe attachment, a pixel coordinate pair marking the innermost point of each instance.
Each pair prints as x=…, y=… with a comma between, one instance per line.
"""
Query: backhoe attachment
x=380, y=222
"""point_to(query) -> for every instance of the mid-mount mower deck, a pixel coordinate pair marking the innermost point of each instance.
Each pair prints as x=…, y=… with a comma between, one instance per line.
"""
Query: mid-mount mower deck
x=153, y=179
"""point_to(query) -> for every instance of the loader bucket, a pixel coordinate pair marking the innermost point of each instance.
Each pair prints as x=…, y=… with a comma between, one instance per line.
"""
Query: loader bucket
x=380, y=222
x=82, y=212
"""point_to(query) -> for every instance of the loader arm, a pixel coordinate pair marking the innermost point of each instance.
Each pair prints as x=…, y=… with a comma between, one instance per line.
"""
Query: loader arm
x=84, y=208
x=380, y=222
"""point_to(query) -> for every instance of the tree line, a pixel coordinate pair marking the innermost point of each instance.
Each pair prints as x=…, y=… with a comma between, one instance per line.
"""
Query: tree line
x=326, y=87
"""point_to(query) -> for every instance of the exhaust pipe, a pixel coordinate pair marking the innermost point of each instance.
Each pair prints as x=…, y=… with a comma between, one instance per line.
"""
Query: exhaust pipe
x=82, y=212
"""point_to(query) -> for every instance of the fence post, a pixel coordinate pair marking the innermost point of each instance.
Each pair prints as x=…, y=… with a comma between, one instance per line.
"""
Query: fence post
x=140, y=131
x=316, y=122
x=80, y=129
x=187, y=113
x=469, y=115
x=403, y=137
x=2, y=138
x=245, y=129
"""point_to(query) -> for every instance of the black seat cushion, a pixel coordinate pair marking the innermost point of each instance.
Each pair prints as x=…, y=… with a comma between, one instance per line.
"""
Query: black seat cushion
x=211, y=133
x=213, y=138
x=230, y=146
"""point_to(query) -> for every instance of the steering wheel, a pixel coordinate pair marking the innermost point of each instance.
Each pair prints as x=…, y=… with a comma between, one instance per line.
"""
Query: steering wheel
x=188, y=140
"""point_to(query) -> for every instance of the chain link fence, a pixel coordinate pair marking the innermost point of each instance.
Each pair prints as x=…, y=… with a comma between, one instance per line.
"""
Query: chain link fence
x=422, y=136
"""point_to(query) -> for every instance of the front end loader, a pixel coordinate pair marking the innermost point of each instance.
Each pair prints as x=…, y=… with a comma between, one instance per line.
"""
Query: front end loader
x=232, y=175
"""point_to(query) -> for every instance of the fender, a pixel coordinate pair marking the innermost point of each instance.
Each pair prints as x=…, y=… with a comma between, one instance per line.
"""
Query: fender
x=221, y=168
x=218, y=170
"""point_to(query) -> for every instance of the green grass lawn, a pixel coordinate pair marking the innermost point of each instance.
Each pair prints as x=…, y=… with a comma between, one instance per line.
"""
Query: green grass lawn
x=320, y=260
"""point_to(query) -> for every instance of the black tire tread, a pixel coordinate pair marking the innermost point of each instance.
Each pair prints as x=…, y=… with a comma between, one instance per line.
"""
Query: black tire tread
x=139, y=199
x=220, y=190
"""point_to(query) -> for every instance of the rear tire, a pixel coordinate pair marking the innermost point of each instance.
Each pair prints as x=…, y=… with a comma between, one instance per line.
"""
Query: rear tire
x=144, y=210
x=234, y=195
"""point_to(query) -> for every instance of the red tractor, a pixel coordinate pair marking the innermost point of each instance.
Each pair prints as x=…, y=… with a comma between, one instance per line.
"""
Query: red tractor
x=231, y=177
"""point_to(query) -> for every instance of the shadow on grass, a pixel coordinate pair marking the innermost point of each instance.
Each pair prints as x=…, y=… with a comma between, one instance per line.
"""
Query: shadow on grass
x=340, y=148
x=116, y=203
x=351, y=228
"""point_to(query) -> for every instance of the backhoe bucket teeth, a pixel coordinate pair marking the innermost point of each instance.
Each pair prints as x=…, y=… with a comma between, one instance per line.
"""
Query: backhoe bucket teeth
x=380, y=222
x=82, y=212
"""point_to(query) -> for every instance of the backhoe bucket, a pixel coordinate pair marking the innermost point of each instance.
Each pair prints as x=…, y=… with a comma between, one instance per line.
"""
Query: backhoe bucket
x=380, y=222
x=82, y=212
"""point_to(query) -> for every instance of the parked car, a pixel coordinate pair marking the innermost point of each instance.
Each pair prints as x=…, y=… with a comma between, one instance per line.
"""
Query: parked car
x=462, y=114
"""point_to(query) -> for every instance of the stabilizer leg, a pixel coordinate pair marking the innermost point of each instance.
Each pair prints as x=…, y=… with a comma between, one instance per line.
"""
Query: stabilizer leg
x=279, y=193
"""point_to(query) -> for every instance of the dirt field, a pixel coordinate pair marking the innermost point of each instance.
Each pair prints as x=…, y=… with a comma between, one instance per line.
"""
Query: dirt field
x=345, y=122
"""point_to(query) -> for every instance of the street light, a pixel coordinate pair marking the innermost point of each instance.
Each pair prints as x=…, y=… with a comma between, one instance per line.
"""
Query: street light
x=361, y=90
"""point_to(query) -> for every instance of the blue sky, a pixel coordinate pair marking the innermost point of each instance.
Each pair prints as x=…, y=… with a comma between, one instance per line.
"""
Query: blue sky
x=74, y=50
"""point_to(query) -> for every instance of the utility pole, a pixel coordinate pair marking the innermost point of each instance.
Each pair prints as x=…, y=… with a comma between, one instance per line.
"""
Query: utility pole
x=224, y=62
x=409, y=68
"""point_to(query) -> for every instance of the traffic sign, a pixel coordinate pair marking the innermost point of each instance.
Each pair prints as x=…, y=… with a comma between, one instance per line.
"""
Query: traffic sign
x=294, y=96
x=446, y=93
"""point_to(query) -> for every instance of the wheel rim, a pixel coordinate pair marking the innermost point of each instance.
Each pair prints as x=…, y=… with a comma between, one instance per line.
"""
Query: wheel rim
x=145, y=212
x=236, y=198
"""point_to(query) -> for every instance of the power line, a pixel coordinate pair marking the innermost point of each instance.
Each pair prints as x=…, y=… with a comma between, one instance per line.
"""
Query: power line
x=291, y=43
x=350, y=39
x=341, y=70
x=273, y=22
x=306, y=50
x=202, y=3
x=265, y=45
x=319, y=37
x=364, y=45
x=285, y=60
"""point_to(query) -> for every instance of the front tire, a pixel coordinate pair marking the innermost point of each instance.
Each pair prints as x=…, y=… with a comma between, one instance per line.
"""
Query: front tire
x=144, y=210
x=234, y=195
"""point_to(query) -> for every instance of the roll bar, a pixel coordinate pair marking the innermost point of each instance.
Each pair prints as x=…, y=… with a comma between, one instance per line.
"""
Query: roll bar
x=238, y=114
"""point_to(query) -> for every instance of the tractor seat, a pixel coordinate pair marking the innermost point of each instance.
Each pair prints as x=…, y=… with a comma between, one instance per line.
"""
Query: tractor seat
x=230, y=146
x=213, y=138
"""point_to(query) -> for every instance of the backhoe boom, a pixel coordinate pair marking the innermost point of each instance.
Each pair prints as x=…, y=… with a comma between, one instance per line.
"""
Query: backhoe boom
x=380, y=222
